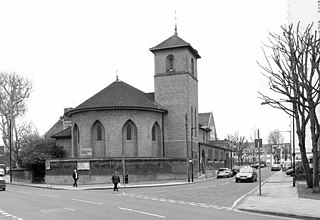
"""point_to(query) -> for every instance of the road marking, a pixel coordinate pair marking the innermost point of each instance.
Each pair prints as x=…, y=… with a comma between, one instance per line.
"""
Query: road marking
x=5, y=214
x=141, y=212
x=49, y=195
x=56, y=210
x=192, y=203
x=86, y=201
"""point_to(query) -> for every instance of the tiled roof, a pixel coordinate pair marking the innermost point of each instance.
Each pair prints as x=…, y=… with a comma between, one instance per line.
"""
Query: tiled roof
x=66, y=133
x=175, y=42
x=57, y=127
x=118, y=95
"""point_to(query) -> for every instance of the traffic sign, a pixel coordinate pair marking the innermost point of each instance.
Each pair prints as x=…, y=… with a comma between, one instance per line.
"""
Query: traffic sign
x=257, y=143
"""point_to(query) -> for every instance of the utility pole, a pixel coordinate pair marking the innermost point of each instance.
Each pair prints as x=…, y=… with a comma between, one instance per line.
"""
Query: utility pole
x=124, y=168
x=294, y=151
x=259, y=143
x=10, y=148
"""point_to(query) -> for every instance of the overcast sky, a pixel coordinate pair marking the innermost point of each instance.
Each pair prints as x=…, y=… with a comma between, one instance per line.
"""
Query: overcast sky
x=73, y=49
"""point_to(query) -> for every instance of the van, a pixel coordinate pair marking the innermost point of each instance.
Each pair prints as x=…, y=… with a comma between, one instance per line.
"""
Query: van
x=1, y=172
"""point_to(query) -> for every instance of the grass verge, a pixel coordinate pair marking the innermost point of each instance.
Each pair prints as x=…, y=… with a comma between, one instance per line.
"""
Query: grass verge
x=305, y=192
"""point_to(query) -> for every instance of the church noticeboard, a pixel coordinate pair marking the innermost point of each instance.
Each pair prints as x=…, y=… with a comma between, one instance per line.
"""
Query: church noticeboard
x=47, y=165
x=83, y=166
x=86, y=152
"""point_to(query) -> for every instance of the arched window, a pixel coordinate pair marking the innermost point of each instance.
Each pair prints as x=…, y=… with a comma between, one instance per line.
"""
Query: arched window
x=192, y=66
x=99, y=133
x=98, y=140
x=129, y=136
x=129, y=139
x=156, y=140
x=170, y=63
x=154, y=135
x=76, y=140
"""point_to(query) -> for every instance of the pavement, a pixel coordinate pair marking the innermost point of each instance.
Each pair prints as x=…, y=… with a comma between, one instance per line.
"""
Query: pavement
x=278, y=196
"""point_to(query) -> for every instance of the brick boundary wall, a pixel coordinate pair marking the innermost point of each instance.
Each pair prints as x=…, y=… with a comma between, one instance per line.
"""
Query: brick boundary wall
x=99, y=171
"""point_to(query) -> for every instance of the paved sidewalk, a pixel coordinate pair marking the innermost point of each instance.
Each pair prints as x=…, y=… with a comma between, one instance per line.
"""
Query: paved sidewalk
x=279, y=197
x=97, y=186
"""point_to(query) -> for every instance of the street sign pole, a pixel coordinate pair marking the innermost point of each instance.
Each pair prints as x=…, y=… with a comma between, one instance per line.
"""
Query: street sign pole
x=258, y=144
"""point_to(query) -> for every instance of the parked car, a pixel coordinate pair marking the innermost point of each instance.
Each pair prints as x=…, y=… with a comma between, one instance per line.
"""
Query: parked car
x=298, y=168
x=247, y=174
x=2, y=173
x=286, y=165
x=2, y=183
x=275, y=167
x=224, y=172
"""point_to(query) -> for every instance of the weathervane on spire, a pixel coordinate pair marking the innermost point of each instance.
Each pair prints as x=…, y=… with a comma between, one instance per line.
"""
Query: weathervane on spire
x=175, y=23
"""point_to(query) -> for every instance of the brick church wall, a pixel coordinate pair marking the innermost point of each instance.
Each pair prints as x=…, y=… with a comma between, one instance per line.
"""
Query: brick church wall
x=101, y=170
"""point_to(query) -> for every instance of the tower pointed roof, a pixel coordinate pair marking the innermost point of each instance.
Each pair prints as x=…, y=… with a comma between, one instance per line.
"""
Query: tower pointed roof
x=118, y=95
x=175, y=42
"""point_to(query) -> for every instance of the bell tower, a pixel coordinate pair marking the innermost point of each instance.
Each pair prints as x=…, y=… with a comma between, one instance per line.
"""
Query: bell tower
x=176, y=89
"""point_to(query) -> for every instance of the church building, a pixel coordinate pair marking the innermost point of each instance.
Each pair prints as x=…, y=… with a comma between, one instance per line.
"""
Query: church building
x=125, y=123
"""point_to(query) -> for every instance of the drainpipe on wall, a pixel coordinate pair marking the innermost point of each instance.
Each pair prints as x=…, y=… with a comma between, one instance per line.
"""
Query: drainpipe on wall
x=163, y=150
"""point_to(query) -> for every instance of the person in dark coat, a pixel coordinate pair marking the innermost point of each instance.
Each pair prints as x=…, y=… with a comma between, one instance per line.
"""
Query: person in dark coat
x=75, y=177
x=116, y=180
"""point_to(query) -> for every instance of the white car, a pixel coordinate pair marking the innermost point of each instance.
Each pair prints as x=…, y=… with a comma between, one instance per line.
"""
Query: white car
x=2, y=172
x=246, y=174
x=224, y=172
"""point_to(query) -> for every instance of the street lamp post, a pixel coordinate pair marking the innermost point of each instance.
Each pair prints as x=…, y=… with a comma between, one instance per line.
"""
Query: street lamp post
x=293, y=154
x=10, y=146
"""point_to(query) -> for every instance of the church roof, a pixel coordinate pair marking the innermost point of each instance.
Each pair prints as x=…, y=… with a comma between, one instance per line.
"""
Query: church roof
x=175, y=42
x=66, y=133
x=118, y=95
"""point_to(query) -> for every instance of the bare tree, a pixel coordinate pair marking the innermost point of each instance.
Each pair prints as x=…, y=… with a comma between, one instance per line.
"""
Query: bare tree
x=293, y=73
x=275, y=138
x=14, y=93
x=240, y=145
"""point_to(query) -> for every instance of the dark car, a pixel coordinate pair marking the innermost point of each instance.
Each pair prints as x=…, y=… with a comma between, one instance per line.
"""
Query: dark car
x=2, y=183
x=299, y=169
x=247, y=174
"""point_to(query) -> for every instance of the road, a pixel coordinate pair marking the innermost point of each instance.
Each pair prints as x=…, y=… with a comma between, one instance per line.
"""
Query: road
x=212, y=199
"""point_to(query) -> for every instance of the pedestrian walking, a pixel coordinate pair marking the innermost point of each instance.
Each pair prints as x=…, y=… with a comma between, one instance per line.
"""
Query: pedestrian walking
x=75, y=177
x=116, y=180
